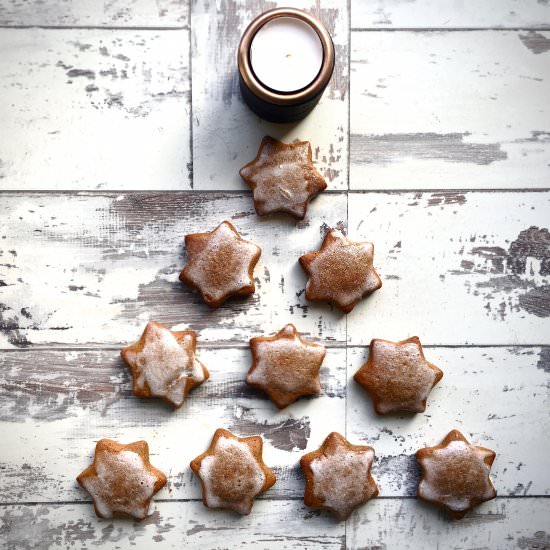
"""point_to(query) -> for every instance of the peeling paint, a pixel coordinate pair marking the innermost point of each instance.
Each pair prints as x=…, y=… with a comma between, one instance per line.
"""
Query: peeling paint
x=76, y=73
x=50, y=385
x=536, y=301
x=74, y=13
x=19, y=480
x=10, y=327
x=454, y=147
x=539, y=541
x=444, y=198
x=535, y=41
x=519, y=277
x=544, y=360
x=403, y=471
x=125, y=273
x=288, y=434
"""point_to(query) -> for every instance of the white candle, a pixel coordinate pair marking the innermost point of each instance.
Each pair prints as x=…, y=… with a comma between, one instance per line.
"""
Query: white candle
x=286, y=54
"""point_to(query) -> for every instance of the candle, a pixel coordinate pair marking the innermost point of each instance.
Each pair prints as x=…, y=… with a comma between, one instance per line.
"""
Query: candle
x=285, y=61
x=286, y=54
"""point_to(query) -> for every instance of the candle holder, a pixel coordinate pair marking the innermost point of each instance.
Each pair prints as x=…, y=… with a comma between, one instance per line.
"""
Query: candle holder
x=279, y=105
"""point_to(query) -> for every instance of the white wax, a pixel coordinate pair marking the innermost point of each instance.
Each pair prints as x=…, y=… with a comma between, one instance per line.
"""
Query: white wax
x=286, y=54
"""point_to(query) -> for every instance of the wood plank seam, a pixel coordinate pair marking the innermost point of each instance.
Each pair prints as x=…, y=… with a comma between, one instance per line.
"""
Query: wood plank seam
x=190, y=165
x=96, y=27
x=261, y=497
x=447, y=29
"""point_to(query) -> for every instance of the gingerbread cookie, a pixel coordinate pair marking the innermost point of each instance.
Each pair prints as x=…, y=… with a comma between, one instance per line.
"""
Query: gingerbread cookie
x=121, y=479
x=163, y=364
x=232, y=472
x=285, y=366
x=283, y=178
x=455, y=474
x=397, y=376
x=338, y=476
x=220, y=264
x=341, y=272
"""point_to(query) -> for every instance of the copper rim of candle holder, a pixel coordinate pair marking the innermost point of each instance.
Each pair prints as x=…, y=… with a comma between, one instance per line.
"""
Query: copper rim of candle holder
x=314, y=88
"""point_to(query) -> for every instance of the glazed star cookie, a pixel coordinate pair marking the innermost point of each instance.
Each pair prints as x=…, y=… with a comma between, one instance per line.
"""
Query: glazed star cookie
x=232, y=472
x=397, y=376
x=282, y=178
x=285, y=367
x=220, y=264
x=163, y=364
x=341, y=272
x=338, y=476
x=121, y=480
x=455, y=474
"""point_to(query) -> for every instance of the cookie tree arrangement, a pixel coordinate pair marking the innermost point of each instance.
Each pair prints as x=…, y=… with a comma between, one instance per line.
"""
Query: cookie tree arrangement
x=220, y=265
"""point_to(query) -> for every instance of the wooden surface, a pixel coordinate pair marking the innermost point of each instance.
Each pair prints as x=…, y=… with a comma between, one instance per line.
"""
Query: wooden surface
x=450, y=110
x=122, y=130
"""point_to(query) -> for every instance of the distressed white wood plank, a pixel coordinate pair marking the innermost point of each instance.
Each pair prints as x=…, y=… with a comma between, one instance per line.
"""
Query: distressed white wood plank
x=118, y=13
x=497, y=397
x=392, y=523
x=448, y=110
x=457, y=268
x=501, y=524
x=54, y=406
x=91, y=109
x=81, y=269
x=390, y=14
x=271, y=524
x=226, y=134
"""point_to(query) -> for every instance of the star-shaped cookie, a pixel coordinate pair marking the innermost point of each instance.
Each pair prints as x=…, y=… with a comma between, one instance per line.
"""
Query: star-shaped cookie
x=163, y=364
x=285, y=367
x=121, y=480
x=283, y=178
x=455, y=474
x=220, y=264
x=397, y=376
x=338, y=476
x=341, y=272
x=232, y=472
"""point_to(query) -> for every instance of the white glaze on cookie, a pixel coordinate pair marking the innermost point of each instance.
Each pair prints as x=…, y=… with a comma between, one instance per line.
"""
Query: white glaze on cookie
x=165, y=365
x=341, y=272
x=122, y=483
x=283, y=178
x=341, y=479
x=219, y=265
x=286, y=363
x=398, y=376
x=231, y=476
x=456, y=475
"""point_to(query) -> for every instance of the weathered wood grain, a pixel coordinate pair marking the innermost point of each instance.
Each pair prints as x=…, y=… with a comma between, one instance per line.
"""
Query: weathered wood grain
x=85, y=13
x=498, y=397
x=271, y=524
x=226, y=134
x=383, y=523
x=110, y=109
x=450, y=110
x=80, y=269
x=93, y=109
x=450, y=14
x=457, y=268
x=409, y=524
x=54, y=406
